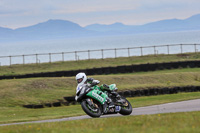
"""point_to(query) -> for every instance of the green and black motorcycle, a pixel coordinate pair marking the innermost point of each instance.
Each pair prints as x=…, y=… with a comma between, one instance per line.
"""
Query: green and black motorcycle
x=93, y=104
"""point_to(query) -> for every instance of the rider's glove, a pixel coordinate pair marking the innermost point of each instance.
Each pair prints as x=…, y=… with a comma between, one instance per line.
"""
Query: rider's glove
x=104, y=87
x=90, y=80
x=95, y=82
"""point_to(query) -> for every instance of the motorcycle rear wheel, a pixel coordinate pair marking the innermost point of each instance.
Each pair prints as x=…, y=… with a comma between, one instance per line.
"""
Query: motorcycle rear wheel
x=126, y=110
x=88, y=111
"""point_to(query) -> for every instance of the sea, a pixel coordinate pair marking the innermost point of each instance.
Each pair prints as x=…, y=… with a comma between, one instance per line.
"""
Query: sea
x=82, y=48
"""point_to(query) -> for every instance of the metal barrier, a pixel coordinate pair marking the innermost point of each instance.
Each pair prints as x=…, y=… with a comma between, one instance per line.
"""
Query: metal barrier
x=99, y=54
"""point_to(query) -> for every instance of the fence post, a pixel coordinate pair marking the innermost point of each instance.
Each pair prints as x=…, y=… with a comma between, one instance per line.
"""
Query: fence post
x=49, y=57
x=102, y=53
x=23, y=59
x=154, y=50
x=63, y=58
x=128, y=52
x=195, y=48
x=36, y=56
x=181, y=48
x=141, y=51
x=10, y=60
x=168, y=49
x=88, y=54
x=115, y=53
x=75, y=55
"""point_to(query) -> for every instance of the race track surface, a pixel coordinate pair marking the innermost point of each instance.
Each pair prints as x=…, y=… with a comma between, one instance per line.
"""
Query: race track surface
x=184, y=106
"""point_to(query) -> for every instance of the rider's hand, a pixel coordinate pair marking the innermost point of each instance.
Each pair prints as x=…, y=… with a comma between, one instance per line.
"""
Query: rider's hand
x=95, y=82
x=90, y=80
x=106, y=86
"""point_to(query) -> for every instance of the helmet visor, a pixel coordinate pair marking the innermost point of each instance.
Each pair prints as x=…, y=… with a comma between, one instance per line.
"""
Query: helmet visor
x=79, y=80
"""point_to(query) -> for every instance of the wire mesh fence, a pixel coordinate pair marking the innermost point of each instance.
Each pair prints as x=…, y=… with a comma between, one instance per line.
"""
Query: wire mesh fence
x=98, y=54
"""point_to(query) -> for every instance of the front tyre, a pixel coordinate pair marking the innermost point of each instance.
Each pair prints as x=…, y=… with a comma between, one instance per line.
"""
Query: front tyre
x=93, y=112
x=126, y=109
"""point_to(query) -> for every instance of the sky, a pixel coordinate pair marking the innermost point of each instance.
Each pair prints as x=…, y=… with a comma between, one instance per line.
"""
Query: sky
x=21, y=13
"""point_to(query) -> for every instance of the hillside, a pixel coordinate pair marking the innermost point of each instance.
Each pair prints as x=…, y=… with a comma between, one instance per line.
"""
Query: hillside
x=191, y=23
x=57, y=29
x=51, y=29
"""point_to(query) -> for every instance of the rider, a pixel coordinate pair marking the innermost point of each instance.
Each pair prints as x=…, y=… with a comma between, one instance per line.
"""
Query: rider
x=82, y=79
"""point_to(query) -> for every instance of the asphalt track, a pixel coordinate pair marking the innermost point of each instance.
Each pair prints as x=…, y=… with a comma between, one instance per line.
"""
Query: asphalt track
x=184, y=106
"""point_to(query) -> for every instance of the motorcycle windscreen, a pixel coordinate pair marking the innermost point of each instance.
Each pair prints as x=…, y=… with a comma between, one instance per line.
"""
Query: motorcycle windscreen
x=112, y=87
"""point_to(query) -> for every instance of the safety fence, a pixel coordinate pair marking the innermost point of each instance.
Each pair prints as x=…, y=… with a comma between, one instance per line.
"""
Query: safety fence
x=112, y=70
x=66, y=101
x=98, y=54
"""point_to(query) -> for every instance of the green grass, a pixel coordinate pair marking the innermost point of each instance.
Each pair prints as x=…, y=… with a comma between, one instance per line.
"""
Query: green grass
x=19, y=92
x=75, y=65
x=161, y=99
x=19, y=114
x=159, y=123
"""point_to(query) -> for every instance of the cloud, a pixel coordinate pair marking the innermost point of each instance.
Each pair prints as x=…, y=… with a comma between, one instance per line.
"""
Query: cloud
x=89, y=6
x=24, y=7
x=67, y=6
x=95, y=6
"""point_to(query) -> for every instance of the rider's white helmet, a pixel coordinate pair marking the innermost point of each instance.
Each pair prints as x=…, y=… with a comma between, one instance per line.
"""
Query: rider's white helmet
x=81, y=78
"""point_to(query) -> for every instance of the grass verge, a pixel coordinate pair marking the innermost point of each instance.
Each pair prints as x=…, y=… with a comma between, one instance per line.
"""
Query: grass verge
x=19, y=92
x=19, y=114
x=82, y=64
x=159, y=123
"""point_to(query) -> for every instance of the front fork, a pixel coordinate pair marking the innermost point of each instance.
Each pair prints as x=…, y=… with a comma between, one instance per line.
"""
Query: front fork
x=91, y=103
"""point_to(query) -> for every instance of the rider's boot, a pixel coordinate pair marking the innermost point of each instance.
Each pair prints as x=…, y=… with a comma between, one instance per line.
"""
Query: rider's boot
x=105, y=108
x=118, y=97
x=114, y=93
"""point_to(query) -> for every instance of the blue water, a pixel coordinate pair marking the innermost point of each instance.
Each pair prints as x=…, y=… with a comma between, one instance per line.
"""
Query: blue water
x=93, y=43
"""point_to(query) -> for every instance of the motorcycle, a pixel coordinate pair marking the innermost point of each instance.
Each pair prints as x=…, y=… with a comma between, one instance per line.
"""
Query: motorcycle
x=92, y=103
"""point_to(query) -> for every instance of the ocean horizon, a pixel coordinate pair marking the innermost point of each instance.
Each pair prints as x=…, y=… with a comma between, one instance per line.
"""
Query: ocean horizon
x=95, y=43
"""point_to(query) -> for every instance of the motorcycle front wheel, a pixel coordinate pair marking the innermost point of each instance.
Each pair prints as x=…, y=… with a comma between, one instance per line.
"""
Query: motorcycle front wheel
x=91, y=111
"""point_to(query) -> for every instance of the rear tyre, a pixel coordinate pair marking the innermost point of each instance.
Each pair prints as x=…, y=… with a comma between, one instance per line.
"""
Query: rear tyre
x=126, y=110
x=88, y=110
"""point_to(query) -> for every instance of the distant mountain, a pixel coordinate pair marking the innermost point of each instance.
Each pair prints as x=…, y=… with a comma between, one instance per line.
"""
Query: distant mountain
x=5, y=33
x=104, y=28
x=52, y=26
x=51, y=29
x=192, y=23
x=57, y=29
x=194, y=20
x=2, y=29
